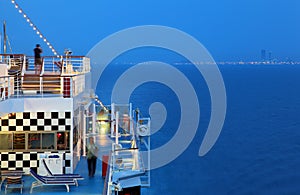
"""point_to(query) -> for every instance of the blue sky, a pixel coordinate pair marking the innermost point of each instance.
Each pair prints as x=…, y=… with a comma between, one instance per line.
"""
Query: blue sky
x=230, y=30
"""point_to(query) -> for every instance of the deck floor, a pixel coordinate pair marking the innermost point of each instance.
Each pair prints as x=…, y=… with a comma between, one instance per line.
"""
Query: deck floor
x=90, y=185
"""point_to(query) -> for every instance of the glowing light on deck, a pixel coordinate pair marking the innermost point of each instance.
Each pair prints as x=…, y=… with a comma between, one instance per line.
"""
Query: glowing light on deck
x=101, y=104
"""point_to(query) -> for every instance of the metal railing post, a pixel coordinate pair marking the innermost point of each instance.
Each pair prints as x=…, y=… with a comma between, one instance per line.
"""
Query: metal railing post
x=41, y=87
x=42, y=68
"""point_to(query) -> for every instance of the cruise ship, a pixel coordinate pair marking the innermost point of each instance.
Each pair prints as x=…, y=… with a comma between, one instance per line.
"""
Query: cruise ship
x=47, y=114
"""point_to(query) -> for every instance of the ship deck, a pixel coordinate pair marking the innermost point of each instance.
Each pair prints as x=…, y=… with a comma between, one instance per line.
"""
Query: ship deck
x=90, y=185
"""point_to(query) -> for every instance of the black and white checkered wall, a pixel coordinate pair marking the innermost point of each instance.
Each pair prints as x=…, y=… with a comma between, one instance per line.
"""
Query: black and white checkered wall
x=36, y=121
x=26, y=160
x=33, y=121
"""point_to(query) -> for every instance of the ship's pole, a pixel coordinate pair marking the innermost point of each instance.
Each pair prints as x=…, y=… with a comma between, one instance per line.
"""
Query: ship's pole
x=4, y=37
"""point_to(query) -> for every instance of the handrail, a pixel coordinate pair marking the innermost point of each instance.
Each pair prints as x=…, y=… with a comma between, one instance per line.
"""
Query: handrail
x=16, y=55
x=70, y=83
x=43, y=86
x=70, y=65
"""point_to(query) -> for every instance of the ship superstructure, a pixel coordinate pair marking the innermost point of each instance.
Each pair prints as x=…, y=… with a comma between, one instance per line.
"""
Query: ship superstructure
x=42, y=113
x=48, y=115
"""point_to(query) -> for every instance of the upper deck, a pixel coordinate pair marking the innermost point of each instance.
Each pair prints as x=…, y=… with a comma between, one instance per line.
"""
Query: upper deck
x=57, y=77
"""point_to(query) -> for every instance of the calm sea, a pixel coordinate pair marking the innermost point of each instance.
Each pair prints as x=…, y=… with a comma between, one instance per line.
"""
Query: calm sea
x=258, y=151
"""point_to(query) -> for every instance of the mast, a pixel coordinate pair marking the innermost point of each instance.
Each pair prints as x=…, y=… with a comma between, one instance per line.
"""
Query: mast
x=4, y=37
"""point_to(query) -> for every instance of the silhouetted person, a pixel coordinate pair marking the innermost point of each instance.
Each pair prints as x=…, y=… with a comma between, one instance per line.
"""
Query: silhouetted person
x=92, y=151
x=37, y=58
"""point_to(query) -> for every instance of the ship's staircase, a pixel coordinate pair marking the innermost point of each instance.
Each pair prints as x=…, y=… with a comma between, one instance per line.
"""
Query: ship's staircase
x=15, y=69
x=36, y=84
x=31, y=79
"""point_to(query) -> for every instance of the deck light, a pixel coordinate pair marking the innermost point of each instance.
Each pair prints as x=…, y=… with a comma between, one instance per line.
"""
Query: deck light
x=34, y=27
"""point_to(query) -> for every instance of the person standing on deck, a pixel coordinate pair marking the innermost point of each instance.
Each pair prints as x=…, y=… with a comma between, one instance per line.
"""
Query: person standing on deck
x=92, y=151
x=37, y=58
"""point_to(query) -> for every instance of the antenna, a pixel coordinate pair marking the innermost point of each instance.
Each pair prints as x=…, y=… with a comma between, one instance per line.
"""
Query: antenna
x=34, y=27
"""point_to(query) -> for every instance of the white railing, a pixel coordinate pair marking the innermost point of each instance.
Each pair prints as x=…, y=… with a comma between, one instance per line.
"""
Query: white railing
x=75, y=65
x=71, y=71
x=130, y=153
x=50, y=65
x=67, y=65
x=6, y=87
x=16, y=87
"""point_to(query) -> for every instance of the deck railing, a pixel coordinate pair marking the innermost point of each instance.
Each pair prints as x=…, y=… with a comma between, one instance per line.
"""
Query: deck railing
x=57, y=76
x=66, y=86
x=64, y=65
x=12, y=59
x=130, y=155
x=6, y=87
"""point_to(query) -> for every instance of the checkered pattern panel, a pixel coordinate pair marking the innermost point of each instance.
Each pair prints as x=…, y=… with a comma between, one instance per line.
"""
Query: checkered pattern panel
x=36, y=121
x=33, y=121
x=26, y=160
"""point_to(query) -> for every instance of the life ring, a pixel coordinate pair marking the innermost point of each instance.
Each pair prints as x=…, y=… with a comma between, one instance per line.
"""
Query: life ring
x=143, y=130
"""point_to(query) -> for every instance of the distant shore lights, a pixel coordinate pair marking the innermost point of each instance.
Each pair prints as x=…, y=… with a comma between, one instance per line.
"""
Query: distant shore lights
x=38, y=32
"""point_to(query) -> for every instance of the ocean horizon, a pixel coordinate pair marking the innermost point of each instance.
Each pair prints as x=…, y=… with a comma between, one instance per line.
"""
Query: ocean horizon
x=258, y=149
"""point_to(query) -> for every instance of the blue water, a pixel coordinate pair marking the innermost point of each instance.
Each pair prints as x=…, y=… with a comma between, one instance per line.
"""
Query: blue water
x=258, y=151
